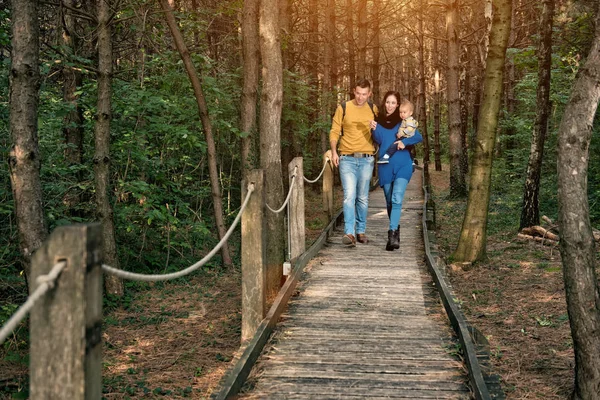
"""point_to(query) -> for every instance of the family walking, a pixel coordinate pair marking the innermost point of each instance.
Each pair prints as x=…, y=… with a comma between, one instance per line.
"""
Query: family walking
x=356, y=127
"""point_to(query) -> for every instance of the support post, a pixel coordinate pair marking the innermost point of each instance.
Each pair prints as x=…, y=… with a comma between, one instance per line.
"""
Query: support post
x=253, y=256
x=328, y=186
x=296, y=223
x=66, y=324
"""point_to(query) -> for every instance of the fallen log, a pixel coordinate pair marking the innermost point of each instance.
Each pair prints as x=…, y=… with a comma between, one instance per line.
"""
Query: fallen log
x=546, y=241
x=553, y=226
x=539, y=231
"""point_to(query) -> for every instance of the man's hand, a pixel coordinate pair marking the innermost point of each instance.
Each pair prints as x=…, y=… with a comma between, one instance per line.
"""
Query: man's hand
x=335, y=159
x=401, y=145
x=373, y=124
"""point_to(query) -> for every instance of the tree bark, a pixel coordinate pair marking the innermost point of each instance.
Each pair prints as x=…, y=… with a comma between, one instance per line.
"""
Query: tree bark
x=422, y=91
x=472, y=242
x=376, y=50
x=206, y=125
x=530, y=213
x=361, y=11
x=458, y=187
x=350, y=44
x=24, y=158
x=114, y=285
x=577, y=247
x=270, y=137
x=251, y=60
x=437, y=151
x=73, y=121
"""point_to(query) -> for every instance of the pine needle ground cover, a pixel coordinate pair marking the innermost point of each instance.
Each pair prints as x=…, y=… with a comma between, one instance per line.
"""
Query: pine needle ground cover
x=516, y=298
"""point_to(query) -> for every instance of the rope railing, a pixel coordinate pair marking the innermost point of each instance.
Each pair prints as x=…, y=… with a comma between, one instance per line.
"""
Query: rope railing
x=287, y=199
x=320, y=175
x=164, y=277
x=45, y=282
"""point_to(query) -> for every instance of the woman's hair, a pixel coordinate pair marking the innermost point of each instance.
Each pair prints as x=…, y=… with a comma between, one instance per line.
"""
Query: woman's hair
x=385, y=96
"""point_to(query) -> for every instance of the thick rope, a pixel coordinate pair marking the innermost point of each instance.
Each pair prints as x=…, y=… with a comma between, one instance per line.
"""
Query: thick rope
x=321, y=174
x=287, y=199
x=45, y=283
x=155, y=278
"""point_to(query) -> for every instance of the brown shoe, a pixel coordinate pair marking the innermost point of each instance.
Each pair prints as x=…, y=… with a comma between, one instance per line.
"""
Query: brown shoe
x=362, y=238
x=349, y=240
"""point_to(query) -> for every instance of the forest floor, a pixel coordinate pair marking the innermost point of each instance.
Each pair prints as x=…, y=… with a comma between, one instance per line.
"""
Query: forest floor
x=516, y=298
x=177, y=339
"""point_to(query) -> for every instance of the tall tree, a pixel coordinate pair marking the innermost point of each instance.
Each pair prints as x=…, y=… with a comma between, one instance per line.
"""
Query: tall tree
x=73, y=121
x=422, y=89
x=436, y=111
x=472, y=242
x=458, y=186
x=350, y=44
x=270, y=136
x=24, y=159
x=530, y=214
x=376, y=70
x=361, y=11
x=251, y=59
x=104, y=210
x=577, y=246
x=206, y=125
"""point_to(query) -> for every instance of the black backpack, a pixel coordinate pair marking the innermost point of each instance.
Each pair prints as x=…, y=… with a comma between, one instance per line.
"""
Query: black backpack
x=343, y=104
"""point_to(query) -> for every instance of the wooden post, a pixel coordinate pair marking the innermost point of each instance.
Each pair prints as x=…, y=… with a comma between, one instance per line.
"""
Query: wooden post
x=328, y=186
x=253, y=256
x=296, y=223
x=66, y=324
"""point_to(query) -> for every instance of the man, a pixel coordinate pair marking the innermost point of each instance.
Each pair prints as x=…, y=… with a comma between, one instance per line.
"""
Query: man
x=352, y=150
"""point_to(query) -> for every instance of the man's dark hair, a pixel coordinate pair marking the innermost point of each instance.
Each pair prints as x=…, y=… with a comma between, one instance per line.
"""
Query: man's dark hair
x=363, y=83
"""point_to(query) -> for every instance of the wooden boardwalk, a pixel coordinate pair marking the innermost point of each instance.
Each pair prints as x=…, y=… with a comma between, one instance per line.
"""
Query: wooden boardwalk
x=366, y=323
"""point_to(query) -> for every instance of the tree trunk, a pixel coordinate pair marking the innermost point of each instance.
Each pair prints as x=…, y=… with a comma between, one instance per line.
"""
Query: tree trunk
x=458, y=187
x=577, y=246
x=422, y=91
x=437, y=151
x=270, y=138
x=206, y=125
x=361, y=11
x=464, y=111
x=114, y=285
x=530, y=213
x=24, y=159
x=376, y=51
x=251, y=60
x=350, y=44
x=73, y=121
x=472, y=241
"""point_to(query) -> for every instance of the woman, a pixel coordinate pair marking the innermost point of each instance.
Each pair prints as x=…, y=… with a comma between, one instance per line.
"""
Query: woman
x=394, y=176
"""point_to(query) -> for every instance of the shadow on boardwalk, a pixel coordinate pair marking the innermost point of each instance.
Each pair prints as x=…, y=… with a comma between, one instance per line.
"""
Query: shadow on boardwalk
x=366, y=322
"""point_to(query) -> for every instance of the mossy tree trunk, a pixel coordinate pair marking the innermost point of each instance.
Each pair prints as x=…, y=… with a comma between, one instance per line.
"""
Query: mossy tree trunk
x=472, y=241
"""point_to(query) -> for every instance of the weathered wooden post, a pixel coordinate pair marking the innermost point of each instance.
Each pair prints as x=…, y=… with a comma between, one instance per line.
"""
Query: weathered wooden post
x=296, y=219
x=253, y=256
x=328, y=186
x=66, y=324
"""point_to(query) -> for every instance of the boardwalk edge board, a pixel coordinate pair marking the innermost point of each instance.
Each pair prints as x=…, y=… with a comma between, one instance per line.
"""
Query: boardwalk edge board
x=234, y=379
x=466, y=333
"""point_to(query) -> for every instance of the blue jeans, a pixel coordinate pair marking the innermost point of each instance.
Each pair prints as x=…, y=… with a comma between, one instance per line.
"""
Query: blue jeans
x=394, y=194
x=355, y=174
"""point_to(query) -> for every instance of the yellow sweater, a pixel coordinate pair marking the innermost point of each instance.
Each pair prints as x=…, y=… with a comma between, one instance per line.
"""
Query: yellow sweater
x=357, y=133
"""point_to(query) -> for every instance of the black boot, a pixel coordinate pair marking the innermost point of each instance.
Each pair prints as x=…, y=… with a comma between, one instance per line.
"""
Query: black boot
x=396, y=239
x=390, y=243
